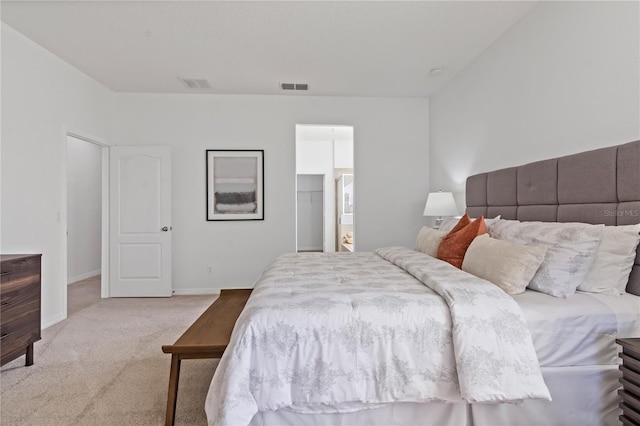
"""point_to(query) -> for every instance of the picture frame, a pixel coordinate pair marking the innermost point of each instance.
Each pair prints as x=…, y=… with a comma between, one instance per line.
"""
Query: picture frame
x=235, y=184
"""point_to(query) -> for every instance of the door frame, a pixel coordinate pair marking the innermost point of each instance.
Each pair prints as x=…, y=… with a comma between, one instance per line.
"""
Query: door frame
x=104, y=263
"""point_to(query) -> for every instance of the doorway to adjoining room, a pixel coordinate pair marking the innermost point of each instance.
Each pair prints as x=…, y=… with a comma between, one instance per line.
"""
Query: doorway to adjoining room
x=325, y=185
x=84, y=223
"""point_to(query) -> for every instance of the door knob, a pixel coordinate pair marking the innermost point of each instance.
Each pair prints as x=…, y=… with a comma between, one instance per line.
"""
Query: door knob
x=165, y=228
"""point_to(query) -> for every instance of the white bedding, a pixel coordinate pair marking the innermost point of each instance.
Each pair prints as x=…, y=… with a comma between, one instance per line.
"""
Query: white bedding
x=581, y=329
x=339, y=333
x=582, y=395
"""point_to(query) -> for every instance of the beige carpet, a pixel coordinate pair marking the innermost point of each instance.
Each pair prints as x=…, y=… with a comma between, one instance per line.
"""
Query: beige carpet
x=104, y=366
x=83, y=294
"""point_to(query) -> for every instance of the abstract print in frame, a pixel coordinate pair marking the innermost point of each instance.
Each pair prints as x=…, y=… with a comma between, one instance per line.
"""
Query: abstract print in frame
x=235, y=184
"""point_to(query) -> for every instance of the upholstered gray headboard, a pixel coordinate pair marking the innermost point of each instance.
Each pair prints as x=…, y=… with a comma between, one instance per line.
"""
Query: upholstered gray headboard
x=599, y=186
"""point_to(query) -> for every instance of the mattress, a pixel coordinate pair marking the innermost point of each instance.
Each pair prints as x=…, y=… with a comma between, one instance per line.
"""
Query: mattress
x=581, y=329
x=590, y=406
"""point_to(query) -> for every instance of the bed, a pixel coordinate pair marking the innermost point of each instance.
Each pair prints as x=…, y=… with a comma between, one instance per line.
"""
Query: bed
x=399, y=337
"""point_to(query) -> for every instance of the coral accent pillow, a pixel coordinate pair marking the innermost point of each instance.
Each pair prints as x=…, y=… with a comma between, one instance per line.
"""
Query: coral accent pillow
x=455, y=244
x=462, y=222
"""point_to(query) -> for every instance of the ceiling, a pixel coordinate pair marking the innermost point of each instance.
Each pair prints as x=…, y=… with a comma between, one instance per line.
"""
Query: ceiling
x=340, y=48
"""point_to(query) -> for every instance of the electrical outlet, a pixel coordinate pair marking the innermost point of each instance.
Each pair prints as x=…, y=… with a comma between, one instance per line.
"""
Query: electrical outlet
x=209, y=269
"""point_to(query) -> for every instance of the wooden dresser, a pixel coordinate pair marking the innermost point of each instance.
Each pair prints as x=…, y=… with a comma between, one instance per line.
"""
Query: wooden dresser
x=630, y=392
x=19, y=306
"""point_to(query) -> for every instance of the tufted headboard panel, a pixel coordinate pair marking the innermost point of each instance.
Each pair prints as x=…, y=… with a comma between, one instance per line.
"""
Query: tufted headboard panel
x=599, y=186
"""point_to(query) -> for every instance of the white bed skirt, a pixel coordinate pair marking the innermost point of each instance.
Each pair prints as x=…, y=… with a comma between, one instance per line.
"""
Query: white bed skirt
x=584, y=395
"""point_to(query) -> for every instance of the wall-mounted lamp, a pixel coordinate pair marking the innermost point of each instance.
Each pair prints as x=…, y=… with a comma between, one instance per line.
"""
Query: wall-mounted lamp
x=440, y=204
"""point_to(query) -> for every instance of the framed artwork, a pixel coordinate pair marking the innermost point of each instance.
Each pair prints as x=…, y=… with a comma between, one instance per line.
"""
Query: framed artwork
x=235, y=184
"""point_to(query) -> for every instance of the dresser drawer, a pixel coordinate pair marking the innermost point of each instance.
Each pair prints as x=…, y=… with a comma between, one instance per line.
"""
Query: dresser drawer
x=20, y=280
x=17, y=312
x=19, y=306
x=12, y=295
x=21, y=328
x=18, y=269
x=18, y=334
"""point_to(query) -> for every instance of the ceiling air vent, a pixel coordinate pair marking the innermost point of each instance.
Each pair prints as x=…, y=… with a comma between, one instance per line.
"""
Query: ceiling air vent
x=294, y=86
x=195, y=83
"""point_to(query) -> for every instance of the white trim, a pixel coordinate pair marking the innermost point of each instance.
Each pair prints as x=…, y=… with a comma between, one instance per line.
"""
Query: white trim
x=48, y=322
x=104, y=281
x=83, y=276
x=64, y=229
x=309, y=248
x=195, y=291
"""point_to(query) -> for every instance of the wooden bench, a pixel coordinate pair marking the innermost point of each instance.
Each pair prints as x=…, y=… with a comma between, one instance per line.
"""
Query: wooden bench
x=207, y=337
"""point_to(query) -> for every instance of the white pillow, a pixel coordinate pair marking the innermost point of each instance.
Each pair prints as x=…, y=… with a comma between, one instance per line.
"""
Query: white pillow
x=570, y=251
x=448, y=224
x=614, y=258
x=508, y=265
x=428, y=240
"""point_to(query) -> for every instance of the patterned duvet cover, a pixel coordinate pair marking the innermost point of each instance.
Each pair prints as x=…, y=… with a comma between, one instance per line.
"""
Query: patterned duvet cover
x=345, y=332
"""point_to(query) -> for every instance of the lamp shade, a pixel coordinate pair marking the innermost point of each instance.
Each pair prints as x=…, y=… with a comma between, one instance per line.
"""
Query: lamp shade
x=440, y=204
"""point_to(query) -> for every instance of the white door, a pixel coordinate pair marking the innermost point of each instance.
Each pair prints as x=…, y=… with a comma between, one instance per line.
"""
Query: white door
x=140, y=246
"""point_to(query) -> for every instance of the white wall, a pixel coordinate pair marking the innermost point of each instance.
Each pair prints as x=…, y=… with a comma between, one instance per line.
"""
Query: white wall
x=84, y=209
x=564, y=79
x=41, y=96
x=391, y=163
x=343, y=154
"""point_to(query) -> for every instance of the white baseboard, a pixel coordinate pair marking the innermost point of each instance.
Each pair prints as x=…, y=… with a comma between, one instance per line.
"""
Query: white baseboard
x=195, y=291
x=48, y=322
x=71, y=280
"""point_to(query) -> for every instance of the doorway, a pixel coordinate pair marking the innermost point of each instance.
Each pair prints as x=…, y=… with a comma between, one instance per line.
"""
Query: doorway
x=84, y=223
x=85, y=168
x=327, y=151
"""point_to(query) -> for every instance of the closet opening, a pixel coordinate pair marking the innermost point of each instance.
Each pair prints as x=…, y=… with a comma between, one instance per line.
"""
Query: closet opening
x=310, y=204
x=325, y=183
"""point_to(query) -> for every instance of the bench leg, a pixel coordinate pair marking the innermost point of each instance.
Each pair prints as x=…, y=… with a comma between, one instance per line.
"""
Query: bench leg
x=29, y=355
x=172, y=397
